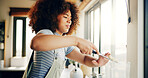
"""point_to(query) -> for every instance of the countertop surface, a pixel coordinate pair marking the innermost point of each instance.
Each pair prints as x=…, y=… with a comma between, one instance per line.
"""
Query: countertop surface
x=13, y=69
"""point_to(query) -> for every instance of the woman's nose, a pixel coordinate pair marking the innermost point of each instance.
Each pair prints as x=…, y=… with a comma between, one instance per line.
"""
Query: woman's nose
x=69, y=20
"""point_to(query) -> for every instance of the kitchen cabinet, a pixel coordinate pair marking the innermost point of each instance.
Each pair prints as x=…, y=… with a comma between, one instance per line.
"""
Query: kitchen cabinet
x=12, y=72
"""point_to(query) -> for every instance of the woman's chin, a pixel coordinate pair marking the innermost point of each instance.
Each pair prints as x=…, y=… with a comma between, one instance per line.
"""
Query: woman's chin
x=66, y=31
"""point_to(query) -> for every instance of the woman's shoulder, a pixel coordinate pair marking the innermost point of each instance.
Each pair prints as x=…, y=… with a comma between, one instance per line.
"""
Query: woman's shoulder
x=46, y=31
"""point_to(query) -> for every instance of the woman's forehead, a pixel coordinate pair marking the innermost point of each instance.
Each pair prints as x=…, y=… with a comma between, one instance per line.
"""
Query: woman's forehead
x=68, y=13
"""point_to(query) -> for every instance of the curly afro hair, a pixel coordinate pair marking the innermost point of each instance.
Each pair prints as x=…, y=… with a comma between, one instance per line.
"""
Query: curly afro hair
x=43, y=15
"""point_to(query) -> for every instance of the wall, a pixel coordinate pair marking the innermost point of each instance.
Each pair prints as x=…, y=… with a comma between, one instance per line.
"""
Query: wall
x=140, y=39
x=132, y=39
x=4, y=15
x=135, y=39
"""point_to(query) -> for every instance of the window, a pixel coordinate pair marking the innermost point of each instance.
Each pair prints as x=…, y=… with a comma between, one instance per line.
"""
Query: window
x=19, y=36
x=107, y=29
x=22, y=35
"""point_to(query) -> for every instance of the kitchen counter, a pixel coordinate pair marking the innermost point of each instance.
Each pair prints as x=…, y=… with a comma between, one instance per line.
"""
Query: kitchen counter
x=12, y=72
x=13, y=69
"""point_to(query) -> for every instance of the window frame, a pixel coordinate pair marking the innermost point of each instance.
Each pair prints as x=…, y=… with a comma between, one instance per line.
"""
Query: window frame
x=88, y=24
x=23, y=35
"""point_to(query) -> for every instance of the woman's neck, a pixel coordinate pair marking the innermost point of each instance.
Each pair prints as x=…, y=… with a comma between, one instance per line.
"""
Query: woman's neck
x=59, y=32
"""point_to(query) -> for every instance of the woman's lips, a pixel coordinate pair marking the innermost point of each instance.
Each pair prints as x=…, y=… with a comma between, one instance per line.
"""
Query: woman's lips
x=68, y=26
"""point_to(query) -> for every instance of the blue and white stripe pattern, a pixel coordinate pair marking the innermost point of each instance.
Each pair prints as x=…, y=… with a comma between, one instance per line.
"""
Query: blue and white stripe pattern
x=43, y=60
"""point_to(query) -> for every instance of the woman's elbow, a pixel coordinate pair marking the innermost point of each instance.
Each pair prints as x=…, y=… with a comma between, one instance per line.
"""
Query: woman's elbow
x=34, y=44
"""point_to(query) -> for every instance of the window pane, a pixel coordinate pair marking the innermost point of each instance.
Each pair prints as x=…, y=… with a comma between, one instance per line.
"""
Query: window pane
x=121, y=38
x=113, y=37
x=106, y=28
x=19, y=27
x=106, y=33
x=92, y=26
x=96, y=27
x=96, y=33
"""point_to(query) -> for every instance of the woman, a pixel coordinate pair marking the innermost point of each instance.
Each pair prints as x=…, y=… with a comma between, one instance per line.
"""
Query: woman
x=53, y=21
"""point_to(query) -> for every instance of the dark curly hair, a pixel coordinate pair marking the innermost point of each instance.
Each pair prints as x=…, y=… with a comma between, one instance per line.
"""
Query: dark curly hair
x=43, y=15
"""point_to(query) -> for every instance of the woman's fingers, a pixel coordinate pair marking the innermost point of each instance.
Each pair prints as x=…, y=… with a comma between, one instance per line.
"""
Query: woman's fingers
x=102, y=61
x=107, y=54
x=95, y=63
x=90, y=48
x=86, y=52
x=83, y=52
x=86, y=46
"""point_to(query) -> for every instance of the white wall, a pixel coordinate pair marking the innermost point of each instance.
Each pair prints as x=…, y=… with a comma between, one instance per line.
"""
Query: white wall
x=4, y=15
x=132, y=39
x=80, y=29
x=140, y=38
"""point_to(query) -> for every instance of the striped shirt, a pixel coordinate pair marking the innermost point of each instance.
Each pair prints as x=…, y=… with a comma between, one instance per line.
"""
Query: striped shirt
x=43, y=60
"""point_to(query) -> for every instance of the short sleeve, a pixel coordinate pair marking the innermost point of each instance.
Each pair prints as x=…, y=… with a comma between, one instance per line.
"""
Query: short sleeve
x=69, y=50
x=46, y=31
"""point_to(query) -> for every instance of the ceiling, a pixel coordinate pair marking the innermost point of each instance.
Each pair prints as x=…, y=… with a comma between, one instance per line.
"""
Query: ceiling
x=80, y=3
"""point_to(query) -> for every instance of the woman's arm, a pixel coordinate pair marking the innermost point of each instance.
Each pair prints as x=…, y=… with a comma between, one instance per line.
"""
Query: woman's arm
x=42, y=42
x=86, y=59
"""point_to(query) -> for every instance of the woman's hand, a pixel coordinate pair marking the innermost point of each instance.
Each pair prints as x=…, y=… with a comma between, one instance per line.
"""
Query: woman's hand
x=85, y=46
x=101, y=61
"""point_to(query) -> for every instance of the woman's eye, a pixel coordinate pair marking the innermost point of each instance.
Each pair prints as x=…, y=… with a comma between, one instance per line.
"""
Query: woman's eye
x=65, y=17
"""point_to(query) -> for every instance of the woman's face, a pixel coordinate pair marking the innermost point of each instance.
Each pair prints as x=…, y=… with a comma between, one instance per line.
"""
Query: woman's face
x=64, y=22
